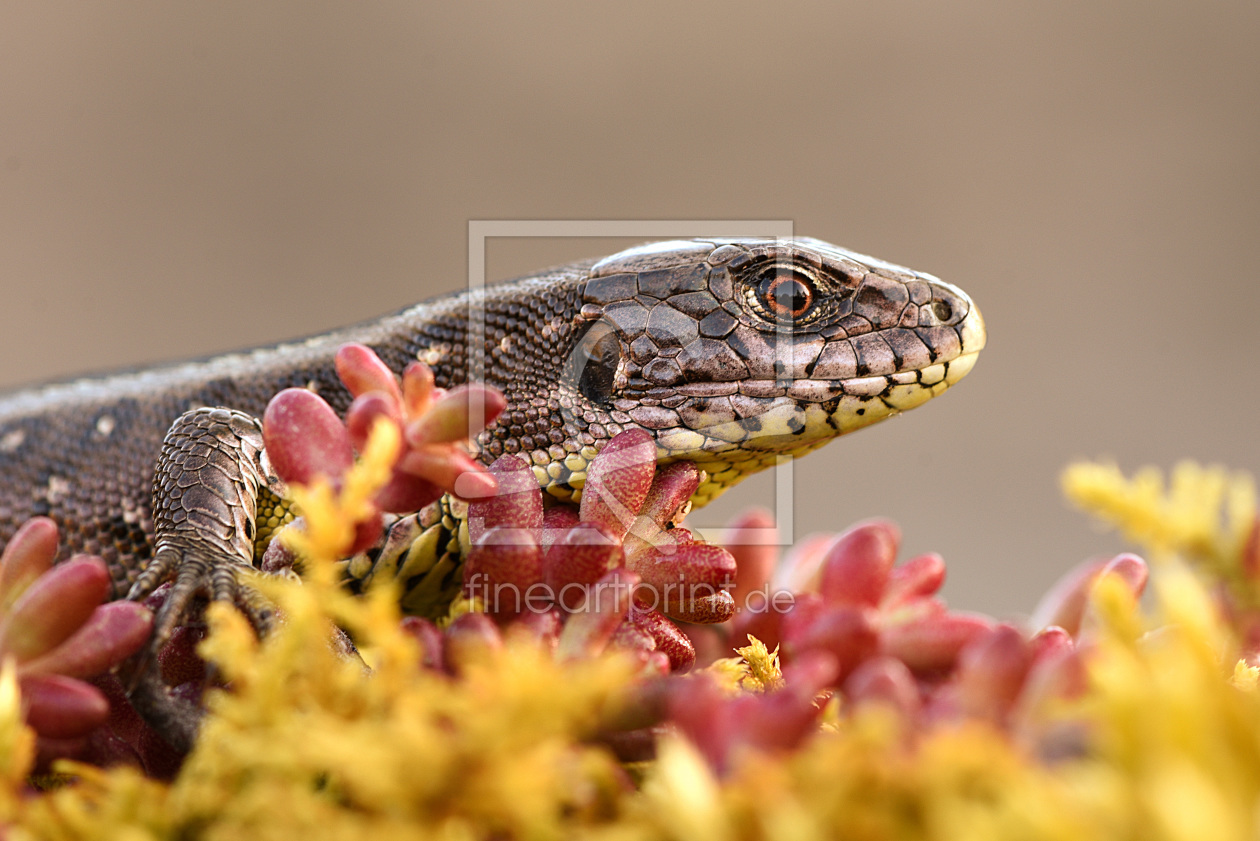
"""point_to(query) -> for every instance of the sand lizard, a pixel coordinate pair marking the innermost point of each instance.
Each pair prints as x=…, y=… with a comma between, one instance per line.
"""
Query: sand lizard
x=730, y=352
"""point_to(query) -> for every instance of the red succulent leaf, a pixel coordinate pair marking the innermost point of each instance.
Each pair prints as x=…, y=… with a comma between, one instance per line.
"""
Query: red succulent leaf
x=179, y=660
x=417, y=389
x=53, y=607
x=362, y=371
x=1057, y=669
x=364, y=412
x=60, y=707
x=680, y=536
x=910, y=612
x=470, y=638
x=516, y=504
x=589, y=629
x=126, y=739
x=458, y=415
x=801, y=566
x=404, y=493
x=111, y=634
x=765, y=622
x=886, y=681
x=917, y=578
x=629, y=637
x=690, y=582
x=27, y=556
x=366, y=533
x=580, y=557
x=686, y=564
x=305, y=438
x=932, y=643
x=543, y=626
x=667, y=638
x=991, y=672
x=504, y=567
x=1064, y=604
x=811, y=673
x=712, y=642
x=450, y=468
x=751, y=541
x=711, y=609
x=657, y=665
x=672, y=489
x=1051, y=642
x=557, y=520
x=618, y=481
x=781, y=720
x=722, y=727
x=430, y=638
x=857, y=566
x=701, y=711
x=846, y=632
x=1250, y=561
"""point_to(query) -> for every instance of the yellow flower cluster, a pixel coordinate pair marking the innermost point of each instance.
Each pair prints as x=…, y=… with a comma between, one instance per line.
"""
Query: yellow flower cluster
x=1164, y=743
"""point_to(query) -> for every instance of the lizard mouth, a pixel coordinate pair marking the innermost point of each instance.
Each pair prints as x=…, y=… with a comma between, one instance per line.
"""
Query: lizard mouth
x=788, y=417
x=795, y=415
x=817, y=390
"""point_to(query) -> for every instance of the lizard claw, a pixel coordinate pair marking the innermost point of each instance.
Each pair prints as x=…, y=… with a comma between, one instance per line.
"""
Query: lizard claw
x=195, y=577
x=198, y=574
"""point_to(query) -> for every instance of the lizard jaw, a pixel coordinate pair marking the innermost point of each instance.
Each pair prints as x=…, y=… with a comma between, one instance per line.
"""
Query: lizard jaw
x=799, y=416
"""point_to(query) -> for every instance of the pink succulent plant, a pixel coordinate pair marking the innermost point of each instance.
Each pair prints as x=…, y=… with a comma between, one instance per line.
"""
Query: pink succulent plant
x=55, y=629
x=722, y=725
x=305, y=437
x=525, y=559
x=877, y=633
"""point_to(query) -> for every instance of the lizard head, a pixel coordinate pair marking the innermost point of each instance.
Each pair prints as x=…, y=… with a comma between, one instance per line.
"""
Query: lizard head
x=734, y=353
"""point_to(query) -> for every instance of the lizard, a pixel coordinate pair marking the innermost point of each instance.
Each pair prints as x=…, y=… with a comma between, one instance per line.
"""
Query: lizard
x=732, y=353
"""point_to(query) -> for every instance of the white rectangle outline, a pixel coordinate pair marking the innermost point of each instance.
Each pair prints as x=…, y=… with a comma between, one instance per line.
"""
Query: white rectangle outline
x=480, y=230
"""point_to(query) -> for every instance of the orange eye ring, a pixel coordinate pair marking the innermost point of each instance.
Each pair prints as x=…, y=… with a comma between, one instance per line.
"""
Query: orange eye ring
x=786, y=294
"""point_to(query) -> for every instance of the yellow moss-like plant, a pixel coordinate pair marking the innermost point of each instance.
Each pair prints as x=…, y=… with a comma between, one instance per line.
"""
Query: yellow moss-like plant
x=1162, y=746
x=1203, y=514
x=307, y=744
x=1163, y=742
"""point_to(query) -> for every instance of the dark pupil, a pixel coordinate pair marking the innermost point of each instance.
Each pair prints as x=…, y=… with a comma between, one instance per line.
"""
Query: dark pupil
x=785, y=294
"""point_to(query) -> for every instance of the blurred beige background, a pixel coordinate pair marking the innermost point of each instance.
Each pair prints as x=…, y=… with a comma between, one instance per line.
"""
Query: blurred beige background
x=179, y=179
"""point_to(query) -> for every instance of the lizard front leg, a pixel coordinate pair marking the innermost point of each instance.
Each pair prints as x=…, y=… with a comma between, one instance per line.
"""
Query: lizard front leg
x=205, y=493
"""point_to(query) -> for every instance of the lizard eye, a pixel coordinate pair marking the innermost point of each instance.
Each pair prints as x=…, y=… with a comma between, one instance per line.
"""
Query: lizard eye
x=784, y=294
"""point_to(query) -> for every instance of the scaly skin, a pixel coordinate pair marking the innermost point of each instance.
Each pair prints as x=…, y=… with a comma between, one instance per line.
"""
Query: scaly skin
x=678, y=338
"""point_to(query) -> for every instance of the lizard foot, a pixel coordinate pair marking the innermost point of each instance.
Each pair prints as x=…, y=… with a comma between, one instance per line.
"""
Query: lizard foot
x=205, y=491
x=185, y=580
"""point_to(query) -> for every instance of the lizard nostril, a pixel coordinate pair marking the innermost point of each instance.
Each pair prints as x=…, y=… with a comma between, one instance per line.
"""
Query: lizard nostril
x=942, y=310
